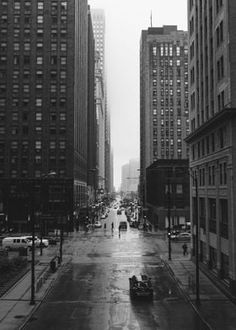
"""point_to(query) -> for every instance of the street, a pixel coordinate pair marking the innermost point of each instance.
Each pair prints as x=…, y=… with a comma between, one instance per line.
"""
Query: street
x=92, y=289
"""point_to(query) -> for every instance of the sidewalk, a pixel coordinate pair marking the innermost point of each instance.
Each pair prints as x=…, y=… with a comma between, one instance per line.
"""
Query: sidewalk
x=215, y=308
x=15, y=305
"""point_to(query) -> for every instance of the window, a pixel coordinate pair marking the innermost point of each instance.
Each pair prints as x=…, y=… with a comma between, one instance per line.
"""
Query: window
x=38, y=145
x=179, y=189
x=63, y=60
x=63, y=47
x=38, y=116
x=40, y=5
x=40, y=19
x=39, y=60
x=39, y=102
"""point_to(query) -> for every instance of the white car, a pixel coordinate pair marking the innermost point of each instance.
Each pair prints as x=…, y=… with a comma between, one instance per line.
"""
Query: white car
x=37, y=241
x=183, y=237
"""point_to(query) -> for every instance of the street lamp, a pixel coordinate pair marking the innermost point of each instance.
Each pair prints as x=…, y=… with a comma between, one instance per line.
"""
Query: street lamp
x=44, y=176
x=195, y=180
x=32, y=220
x=169, y=225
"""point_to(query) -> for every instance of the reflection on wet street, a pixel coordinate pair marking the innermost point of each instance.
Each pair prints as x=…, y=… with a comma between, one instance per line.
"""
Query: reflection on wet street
x=92, y=289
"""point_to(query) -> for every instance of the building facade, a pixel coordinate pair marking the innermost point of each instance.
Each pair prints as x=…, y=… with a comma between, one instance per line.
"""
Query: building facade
x=43, y=108
x=212, y=138
x=105, y=173
x=92, y=119
x=168, y=194
x=130, y=176
x=164, y=121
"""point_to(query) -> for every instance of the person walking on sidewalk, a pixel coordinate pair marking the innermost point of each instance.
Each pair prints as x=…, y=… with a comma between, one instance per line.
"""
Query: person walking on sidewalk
x=185, y=249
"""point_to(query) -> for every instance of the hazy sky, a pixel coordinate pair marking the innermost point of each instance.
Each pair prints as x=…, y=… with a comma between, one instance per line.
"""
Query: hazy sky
x=125, y=19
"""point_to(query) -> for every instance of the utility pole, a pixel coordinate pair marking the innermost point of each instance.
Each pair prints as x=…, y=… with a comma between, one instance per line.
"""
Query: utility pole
x=197, y=242
x=32, y=219
x=169, y=225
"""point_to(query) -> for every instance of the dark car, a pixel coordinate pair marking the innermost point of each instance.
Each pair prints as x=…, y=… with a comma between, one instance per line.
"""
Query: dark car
x=123, y=225
x=140, y=286
x=119, y=211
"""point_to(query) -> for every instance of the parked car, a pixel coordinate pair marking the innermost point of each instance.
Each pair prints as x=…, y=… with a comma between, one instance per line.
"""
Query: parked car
x=174, y=234
x=97, y=224
x=183, y=237
x=140, y=286
x=103, y=216
x=37, y=241
x=14, y=243
x=119, y=211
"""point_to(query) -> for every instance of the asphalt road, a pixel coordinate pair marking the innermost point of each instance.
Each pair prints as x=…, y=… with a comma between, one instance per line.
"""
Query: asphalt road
x=92, y=289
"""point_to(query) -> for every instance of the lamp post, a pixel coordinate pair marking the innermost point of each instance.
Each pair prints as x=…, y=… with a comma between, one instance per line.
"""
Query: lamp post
x=169, y=225
x=197, y=242
x=32, y=220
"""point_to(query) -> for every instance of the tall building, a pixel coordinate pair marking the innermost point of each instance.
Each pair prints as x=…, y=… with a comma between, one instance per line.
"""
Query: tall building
x=164, y=118
x=105, y=175
x=130, y=176
x=92, y=118
x=43, y=110
x=213, y=136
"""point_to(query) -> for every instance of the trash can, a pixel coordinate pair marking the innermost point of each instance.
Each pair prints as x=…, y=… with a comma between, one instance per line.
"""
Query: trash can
x=53, y=266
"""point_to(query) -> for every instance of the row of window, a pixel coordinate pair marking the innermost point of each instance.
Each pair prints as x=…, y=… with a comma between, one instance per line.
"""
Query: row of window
x=212, y=177
x=210, y=143
x=61, y=172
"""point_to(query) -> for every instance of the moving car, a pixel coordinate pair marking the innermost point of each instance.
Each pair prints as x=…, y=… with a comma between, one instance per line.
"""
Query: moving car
x=123, y=225
x=183, y=237
x=140, y=286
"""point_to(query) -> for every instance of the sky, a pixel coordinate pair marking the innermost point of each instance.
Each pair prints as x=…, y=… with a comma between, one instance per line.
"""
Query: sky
x=125, y=19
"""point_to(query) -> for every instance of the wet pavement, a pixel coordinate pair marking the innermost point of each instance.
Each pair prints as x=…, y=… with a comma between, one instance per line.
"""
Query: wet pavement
x=92, y=291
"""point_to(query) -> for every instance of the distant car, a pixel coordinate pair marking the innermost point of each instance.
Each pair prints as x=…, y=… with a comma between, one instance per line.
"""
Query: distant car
x=97, y=224
x=183, y=237
x=140, y=286
x=174, y=234
x=123, y=225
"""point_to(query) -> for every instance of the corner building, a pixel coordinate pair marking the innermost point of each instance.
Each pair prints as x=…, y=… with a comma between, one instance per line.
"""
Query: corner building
x=43, y=109
x=164, y=117
x=212, y=82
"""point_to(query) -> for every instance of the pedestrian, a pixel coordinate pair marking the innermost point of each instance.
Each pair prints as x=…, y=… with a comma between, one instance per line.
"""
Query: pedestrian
x=112, y=226
x=105, y=226
x=185, y=249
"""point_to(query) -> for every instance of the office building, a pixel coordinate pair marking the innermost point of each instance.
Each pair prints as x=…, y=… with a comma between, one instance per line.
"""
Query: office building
x=212, y=139
x=43, y=110
x=164, y=117
x=130, y=176
x=104, y=155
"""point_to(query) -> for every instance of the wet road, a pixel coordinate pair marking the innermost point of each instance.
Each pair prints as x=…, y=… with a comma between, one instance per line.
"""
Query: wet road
x=92, y=290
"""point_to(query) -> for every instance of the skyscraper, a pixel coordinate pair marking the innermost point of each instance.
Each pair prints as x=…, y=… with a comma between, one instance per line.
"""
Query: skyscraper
x=43, y=107
x=164, y=121
x=103, y=114
x=212, y=138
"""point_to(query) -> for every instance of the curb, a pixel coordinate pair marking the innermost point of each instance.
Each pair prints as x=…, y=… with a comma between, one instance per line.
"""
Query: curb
x=47, y=290
x=185, y=295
